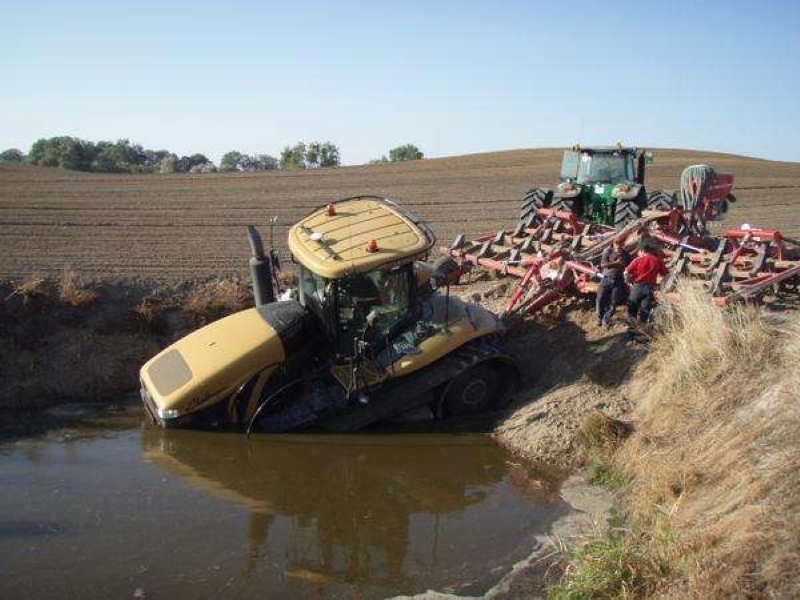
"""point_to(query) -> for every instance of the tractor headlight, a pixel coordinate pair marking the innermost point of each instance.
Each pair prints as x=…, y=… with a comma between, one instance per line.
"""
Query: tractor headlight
x=167, y=413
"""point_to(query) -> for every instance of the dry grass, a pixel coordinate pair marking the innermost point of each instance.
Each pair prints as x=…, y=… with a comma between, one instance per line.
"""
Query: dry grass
x=71, y=291
x=33, y=290
x=210, y=301
x=714, y=459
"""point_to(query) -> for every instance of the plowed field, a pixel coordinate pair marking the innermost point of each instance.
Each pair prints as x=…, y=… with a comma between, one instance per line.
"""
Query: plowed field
x=175, y=227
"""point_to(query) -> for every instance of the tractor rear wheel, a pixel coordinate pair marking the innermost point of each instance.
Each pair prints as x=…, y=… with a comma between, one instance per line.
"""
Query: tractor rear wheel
x=474, y=391
x=533, y=200
x=661, y=200
x=564, y=205
x=626, y=212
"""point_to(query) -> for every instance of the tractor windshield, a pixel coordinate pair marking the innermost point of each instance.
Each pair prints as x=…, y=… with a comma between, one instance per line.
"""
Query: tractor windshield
x=610, y=167
x=370, y=305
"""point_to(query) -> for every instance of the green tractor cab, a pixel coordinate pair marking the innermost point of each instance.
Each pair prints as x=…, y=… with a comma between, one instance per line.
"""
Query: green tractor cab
x=603, y=184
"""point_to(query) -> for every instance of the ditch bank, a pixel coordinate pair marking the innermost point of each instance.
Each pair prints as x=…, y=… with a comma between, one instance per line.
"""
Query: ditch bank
x=706, y=482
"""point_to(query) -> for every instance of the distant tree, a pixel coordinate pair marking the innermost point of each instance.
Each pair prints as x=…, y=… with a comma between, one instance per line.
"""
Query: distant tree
x=294, y=157
x=207, y=167
x=65, y=152
x=328, y=155
x=12, y=155
x=313, y=154
x=236, y=161
x=406, y=152
x=231, y=161
x=186, y=163
x=118, y=157
x=260, y=162
x=169, y=164
x=153, y=158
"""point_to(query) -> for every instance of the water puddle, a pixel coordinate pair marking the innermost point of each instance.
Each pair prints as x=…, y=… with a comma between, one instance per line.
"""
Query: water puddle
x=107, y=508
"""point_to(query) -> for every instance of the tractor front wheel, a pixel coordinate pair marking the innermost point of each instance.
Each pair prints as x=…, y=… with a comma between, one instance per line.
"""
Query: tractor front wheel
x=474, y=391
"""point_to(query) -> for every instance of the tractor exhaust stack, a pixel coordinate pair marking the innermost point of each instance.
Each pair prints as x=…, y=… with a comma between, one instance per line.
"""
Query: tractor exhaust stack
x=260, y=269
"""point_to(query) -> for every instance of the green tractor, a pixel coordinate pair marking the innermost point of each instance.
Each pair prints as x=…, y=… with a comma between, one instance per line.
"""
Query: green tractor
x=604, y=184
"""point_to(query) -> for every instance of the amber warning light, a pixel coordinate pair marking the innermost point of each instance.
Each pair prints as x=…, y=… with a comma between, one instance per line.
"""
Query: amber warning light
x=372, y=246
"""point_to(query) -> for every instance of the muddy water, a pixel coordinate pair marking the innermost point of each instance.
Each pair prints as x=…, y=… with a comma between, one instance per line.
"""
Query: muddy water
x=107, y=508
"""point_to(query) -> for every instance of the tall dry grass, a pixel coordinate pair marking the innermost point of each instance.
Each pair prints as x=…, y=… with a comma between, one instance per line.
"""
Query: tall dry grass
x=713, y=465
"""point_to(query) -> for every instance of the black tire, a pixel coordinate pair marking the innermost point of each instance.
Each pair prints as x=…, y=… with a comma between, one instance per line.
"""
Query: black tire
x=661, y=200
x=533, y=200
x=641, y=199
x=626, y=212
x=474, y=391
x=564, y=205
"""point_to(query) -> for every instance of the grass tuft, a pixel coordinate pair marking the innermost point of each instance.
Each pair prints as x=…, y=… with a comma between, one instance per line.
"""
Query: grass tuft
x=72, y=292
x=208, y=302
x=617, y=564
x=600, y=433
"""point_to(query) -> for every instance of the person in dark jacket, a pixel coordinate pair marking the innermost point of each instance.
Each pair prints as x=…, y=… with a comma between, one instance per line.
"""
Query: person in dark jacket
x=612, y=287
x=643, y=275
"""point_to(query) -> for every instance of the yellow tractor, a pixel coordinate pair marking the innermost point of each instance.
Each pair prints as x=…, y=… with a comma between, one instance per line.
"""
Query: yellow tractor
x=373, y=334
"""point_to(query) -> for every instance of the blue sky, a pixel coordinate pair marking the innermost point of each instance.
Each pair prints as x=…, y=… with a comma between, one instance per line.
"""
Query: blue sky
x=451, y=77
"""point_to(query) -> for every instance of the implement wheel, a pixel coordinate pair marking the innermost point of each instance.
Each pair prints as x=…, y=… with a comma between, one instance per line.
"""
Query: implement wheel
x=474, y=391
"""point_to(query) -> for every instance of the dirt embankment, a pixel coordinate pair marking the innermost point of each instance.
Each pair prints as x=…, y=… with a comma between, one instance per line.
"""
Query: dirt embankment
x=62, y=340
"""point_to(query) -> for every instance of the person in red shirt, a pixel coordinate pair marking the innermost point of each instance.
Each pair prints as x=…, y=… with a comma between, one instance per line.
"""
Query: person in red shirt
x=643, y=274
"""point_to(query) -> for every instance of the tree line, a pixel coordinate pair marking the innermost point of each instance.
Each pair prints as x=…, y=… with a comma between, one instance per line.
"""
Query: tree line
x=123, y=156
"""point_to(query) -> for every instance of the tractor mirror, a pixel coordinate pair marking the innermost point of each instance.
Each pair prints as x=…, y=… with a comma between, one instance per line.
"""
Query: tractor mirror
x=648, y=157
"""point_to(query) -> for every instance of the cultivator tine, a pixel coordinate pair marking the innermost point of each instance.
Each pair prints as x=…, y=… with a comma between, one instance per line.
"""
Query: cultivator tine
x=672, y=279
x=721, y=276
x=547, y=235
x=531, y=246
x=760, y=260
x=500, y=238
x=519, y=230
x=678, y=256
x=486, y=250
x=459, y=242
x=718, y=255
x=515, y=256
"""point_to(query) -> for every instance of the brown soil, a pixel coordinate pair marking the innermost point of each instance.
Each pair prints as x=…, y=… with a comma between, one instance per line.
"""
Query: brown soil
x=171, y=228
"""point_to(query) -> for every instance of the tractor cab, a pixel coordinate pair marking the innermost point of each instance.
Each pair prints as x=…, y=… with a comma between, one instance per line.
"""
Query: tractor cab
x=604, y=165
x=356, y=260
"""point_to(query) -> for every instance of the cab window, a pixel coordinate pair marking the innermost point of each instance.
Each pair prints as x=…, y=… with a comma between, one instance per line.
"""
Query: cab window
x=370, y=305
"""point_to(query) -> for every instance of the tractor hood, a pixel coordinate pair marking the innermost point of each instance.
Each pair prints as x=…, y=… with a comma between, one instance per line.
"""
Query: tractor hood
x=208, y=365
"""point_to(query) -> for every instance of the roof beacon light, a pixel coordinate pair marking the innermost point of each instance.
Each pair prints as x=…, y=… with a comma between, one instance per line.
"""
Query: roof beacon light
x=331, y=210
x=372, y=246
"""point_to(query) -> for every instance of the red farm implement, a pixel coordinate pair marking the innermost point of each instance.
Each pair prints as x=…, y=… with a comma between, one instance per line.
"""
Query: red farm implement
x=555, y=255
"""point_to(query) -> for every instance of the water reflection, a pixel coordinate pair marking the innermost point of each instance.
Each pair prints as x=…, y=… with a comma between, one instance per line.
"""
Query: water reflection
x=363, y=508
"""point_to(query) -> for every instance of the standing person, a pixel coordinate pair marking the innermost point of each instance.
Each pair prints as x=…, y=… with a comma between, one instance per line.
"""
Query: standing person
x=642, y=274
x=612, y=286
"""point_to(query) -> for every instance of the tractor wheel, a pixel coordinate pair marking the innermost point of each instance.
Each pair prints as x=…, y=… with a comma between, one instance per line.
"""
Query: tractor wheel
x=564, y=205
x=533, y=200
x=473, y=391
x=626, y=212
x=641, y=199
x=661, y=200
